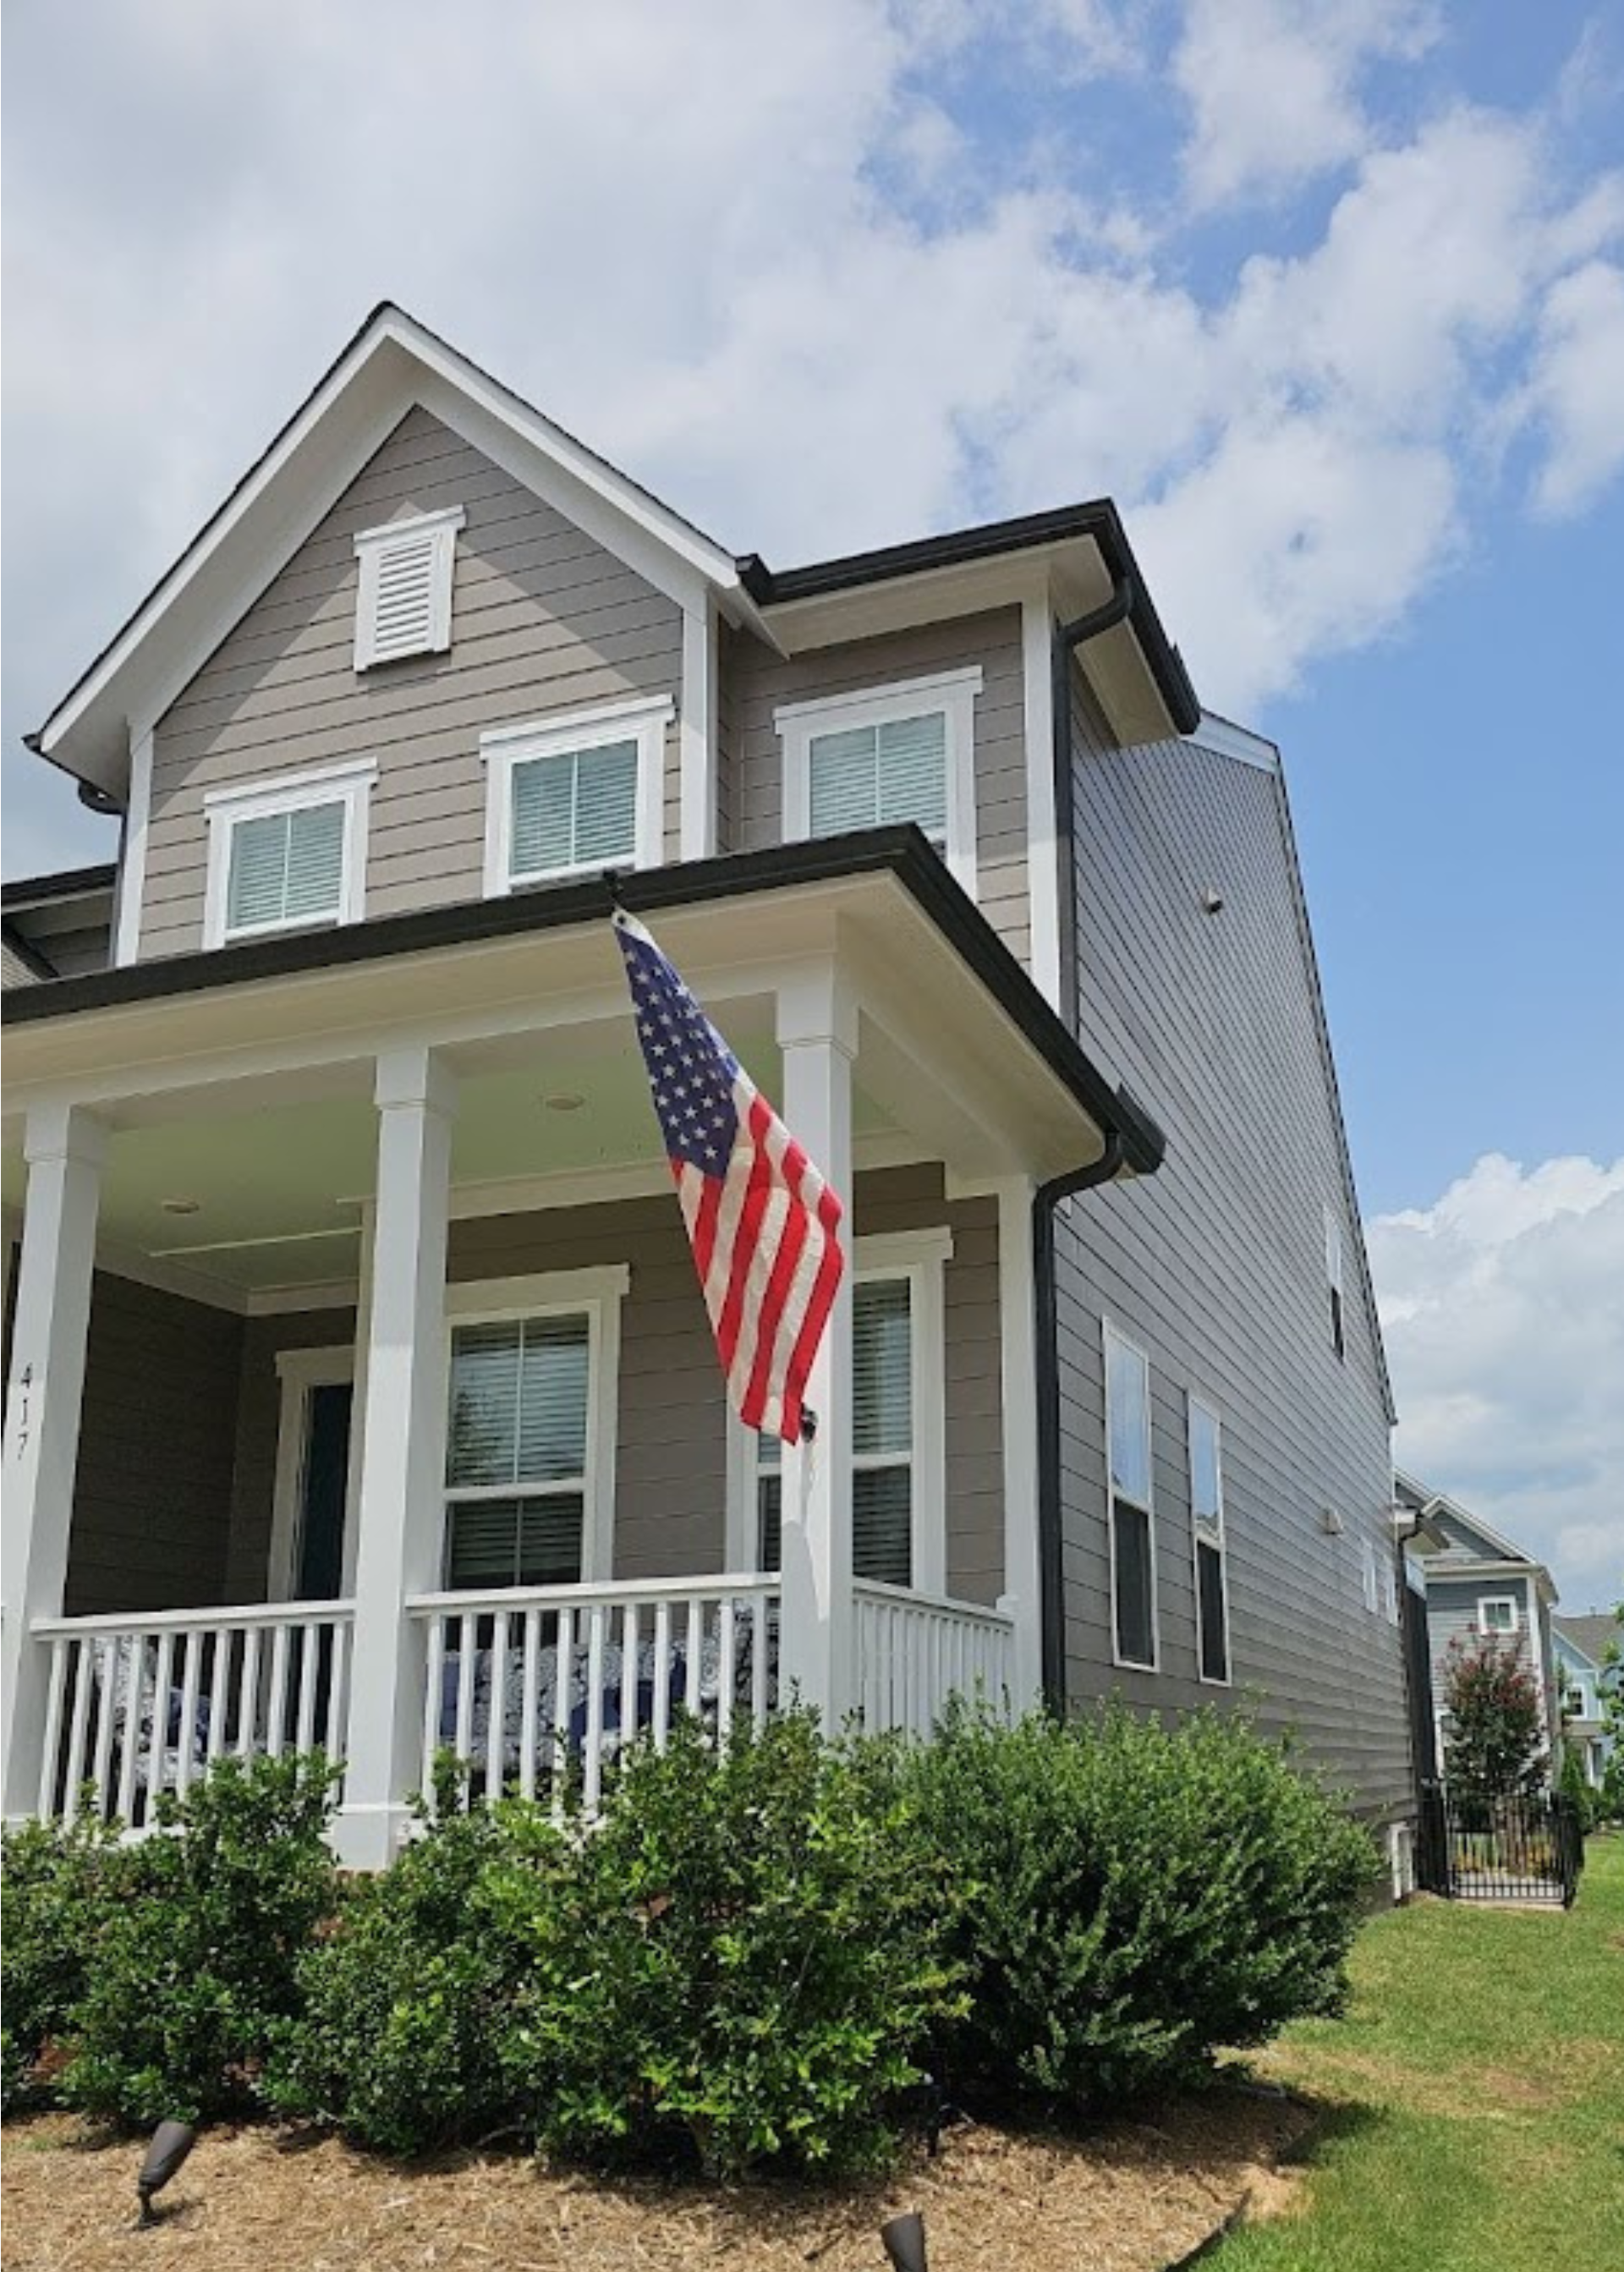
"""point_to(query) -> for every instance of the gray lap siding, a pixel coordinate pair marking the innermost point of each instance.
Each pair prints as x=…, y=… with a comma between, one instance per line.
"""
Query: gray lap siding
x=1215, y=1265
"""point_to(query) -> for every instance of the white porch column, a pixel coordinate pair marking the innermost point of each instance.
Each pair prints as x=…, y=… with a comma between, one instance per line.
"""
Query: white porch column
x=65, y=1148
x=399, y=1509
x=818, y=1034
x=1018, y=1382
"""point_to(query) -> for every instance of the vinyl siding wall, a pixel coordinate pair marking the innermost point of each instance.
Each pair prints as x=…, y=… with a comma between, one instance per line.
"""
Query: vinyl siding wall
x=1452, y=1616
x=760, y=681
x=543, y=619
x=1215, y=1265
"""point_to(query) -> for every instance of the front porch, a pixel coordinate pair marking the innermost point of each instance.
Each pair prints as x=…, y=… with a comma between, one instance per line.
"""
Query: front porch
x=361, y=1392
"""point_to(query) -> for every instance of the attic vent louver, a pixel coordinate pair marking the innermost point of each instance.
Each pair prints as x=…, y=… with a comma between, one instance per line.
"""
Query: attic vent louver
x=405, y=602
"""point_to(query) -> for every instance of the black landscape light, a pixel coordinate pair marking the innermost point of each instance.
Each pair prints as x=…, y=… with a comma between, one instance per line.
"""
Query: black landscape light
x=904, y=2241
x=171, y=2142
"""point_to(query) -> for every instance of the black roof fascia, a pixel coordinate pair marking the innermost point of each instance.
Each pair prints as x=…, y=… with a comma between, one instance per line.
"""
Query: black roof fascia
x=902, y=852
x=67, y=884
x=1098, y=519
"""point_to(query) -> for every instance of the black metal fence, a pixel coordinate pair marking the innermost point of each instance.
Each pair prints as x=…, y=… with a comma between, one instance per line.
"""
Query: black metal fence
x=1527, y=1848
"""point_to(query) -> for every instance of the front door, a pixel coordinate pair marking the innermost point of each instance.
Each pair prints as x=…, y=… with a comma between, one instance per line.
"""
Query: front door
x=318, y=1569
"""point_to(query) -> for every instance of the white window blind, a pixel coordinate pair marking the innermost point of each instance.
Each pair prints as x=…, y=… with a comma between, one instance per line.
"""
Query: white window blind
x=286, y=868
x=864, y=776
x=516, y=1452
x=573, y=808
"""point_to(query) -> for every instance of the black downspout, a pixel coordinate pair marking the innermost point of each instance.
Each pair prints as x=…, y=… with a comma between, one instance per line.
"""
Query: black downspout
x=1065, y=638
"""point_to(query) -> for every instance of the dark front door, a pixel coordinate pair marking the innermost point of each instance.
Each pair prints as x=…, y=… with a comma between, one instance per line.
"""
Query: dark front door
x=320, y=1574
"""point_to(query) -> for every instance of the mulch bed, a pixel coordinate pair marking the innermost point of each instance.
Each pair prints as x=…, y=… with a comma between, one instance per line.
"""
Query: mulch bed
x=1134, y=2197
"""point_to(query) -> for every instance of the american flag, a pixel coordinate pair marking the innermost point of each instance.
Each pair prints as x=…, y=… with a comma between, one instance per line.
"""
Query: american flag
x=763, y=1224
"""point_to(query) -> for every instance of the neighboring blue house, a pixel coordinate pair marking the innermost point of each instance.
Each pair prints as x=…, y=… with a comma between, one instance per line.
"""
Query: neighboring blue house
x=1479, y=1585
x=1583, y=1675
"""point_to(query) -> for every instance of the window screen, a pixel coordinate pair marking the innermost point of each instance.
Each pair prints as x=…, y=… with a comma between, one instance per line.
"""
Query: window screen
x=516, y=1452
x=1134, y=1620
x=863, y=776
x=286, y=868
x=1210, y=1610
x=573, y=808
x=1205, y=1488
x=1127, y=1404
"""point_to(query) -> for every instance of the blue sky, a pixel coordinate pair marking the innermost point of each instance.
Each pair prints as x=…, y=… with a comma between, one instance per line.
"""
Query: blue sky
x=1328, y=294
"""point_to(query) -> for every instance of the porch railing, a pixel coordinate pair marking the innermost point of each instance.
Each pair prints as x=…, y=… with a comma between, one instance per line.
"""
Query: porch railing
x=138, y=1705
x=914, y=1651
x=535, y=1689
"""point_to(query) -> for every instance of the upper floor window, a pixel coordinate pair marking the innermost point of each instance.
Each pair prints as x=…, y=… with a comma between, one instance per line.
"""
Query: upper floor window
x=287, y=854
x=1212, y=1613
x=1133, y=1533
x=1333, y=1280
x=404, y=606
x=571, y=796
x=888, y=754
x=1497, y=1613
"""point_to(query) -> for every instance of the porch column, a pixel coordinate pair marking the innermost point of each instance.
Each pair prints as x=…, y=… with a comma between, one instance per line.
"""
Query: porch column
x=818, y=1034
x=400, y=1509
x=1024, y=1575
x=65, y=1148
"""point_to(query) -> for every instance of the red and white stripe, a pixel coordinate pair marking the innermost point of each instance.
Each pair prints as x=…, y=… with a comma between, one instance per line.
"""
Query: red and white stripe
x=766, y=1246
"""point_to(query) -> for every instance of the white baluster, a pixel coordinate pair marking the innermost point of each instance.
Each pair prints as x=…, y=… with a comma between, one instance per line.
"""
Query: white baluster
x=662, y=1674
x=433, y=1700
x=630, y=1628
x=695, y=1649
x=496, y=1729
x=310, y=1673
x=76, y=1736
x=530, y=1702
x=220, y=1690
x=468, y=1633
x=594, y=1710
x=278, y=1721
x=101, y=1770
x=247, y=1694
x=53, y=1702
x=158, y=1742
x=758, y=1662
x=727, y=1652
x=562, y=1682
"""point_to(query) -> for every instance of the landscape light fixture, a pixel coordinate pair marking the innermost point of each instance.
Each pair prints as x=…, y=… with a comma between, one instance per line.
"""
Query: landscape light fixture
x=904, y=2241
x=171, y=2142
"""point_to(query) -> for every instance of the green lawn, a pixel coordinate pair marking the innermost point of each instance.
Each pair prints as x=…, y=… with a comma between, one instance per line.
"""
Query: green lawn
x=1476, y=2095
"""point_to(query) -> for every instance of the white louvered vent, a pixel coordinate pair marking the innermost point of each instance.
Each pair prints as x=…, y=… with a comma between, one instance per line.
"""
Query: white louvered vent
x=405, y=602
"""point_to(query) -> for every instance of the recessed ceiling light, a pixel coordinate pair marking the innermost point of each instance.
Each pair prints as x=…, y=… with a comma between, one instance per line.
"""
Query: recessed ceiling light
x=180, y=1206
x=565, y=1100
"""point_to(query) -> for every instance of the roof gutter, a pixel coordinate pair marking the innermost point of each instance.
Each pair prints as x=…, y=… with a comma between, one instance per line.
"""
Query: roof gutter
x=1118, y=1153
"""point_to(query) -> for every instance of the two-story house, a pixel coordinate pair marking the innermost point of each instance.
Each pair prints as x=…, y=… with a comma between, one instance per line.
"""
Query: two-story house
x=1585, y=1673
x=360, y=1386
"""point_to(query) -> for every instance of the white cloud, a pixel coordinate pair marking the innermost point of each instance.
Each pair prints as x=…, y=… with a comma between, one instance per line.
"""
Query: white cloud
x=1274, y=85
x=1576, y=387
x=1503, y=1310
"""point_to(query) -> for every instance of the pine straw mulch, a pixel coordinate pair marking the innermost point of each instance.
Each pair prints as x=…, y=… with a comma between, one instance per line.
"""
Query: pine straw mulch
x=1132, y=2196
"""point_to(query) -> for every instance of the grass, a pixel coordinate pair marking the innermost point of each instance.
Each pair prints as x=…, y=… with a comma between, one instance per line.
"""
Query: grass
x=1474, y=2095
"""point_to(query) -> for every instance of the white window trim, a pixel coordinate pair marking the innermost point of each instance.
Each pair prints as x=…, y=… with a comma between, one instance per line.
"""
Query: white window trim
x=349, y=785
x=504, y=747
x=1110, y=1333
x=1370, y=1577
x=1337, y=1314
x=920, y=1257
x=370, y=545
x=300, y=1370
x=598, y=1294
x=1202, y=1533
x=1485, y=1601
x=953, y=692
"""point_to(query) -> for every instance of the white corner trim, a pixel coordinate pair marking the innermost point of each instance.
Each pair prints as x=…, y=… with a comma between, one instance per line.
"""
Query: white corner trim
x=349, y=784
x=1227, y=740
x=503, y=748
x=1044, y=879
x=132, y=852
x=697, y=739
x=888, y=1254
x=952, y=693
x=373, y=546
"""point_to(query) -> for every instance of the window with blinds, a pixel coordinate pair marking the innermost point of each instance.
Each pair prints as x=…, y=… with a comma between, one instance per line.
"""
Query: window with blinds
x=516, y=1452
x=882, y=1432
x=573, y=809
x=286, y=868
x=1127, y=1432
x=863, y=776
x=1207, y=1515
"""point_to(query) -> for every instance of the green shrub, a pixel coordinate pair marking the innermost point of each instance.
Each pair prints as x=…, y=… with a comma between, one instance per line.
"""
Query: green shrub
x=196, y=1964
x=1574, y=1786
x=59, y=1884
x=406, y=2002
x=747, y=1958
x=1136, y=1896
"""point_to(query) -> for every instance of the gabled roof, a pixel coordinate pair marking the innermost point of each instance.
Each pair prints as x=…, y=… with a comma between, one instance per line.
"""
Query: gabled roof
x=391, y=364
x=1588, y=1637
x=1497, y=1547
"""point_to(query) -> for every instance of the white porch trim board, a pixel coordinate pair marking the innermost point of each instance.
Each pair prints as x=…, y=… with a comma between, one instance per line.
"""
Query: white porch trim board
x=64, y=1149
x=1024, y=1575
x=398, y=1508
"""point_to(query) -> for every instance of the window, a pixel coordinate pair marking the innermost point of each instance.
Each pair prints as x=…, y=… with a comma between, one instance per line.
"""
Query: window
x=1372, y=1579
x=1390, y=1588
x=572, y=795
x=1212, y=1630
x=1333, y=1280
x=1497, y=1613
x=888, y=754
x=404, y=605
x=1133, y=1541
x=529, y=1434
x=898, y=1483
x=287, y=854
